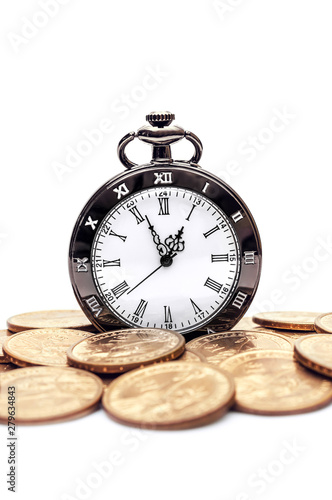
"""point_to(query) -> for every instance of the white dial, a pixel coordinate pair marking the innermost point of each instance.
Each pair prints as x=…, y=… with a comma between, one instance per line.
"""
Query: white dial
x=165, y=258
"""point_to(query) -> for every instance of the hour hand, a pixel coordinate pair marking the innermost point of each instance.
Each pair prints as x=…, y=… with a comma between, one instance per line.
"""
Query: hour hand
x=175, y=243
x=162, y=249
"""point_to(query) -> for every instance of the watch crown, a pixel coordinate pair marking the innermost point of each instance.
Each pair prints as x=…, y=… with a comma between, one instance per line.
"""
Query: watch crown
x=160, y=119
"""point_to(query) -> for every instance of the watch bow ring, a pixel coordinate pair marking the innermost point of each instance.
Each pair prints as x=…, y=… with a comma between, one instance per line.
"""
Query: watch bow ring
x=159, y=140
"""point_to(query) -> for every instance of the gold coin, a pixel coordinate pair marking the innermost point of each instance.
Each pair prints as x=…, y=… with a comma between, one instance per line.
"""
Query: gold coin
x=123, y=350
x=191, y=356
x=323, y=323
x=291, y=335
x=6, y=367
x=219, y=346
x=46, y=347
x=274, y=383
x=245, y=323
x=170, y=396
x=315, y=352
x=48, y=393
x=287, y=320
x=49, y=319
x=4, y=334
x=107, y=378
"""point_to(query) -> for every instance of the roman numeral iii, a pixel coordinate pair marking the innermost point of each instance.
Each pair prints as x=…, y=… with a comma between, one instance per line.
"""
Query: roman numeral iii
x=223, y=257
x=249, y=258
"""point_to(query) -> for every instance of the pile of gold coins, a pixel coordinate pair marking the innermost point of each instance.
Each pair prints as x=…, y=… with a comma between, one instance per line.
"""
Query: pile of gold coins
x=276, y=363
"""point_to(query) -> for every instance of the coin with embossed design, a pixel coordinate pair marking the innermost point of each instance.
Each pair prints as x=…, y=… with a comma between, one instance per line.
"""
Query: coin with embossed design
x=170, y=396
x=122, y=350
x=191, y=356
x=50, y=319
x=219, y=346
x=48, y=393
x=287, y=320
x=275, y=383
x=46, y=346
x=4, y=334
x=315, y=352
x=245, y=323
x=107, y=378
x=323, y=323
x=291, y=335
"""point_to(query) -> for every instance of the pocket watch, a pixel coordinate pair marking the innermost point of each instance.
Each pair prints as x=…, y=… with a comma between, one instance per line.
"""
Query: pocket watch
x=165, y=244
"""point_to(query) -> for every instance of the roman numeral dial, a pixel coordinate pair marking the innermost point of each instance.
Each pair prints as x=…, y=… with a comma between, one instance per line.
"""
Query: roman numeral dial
x=167, y=257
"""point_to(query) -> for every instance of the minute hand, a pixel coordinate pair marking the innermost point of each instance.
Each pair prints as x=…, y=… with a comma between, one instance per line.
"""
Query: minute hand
x=146, y=277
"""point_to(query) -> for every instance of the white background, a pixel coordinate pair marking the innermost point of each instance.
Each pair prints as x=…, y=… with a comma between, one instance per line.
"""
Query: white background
x=225, y=72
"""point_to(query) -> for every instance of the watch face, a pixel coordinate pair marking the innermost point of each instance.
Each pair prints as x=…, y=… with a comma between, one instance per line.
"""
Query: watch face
x=165, y=246
x=165, y=258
